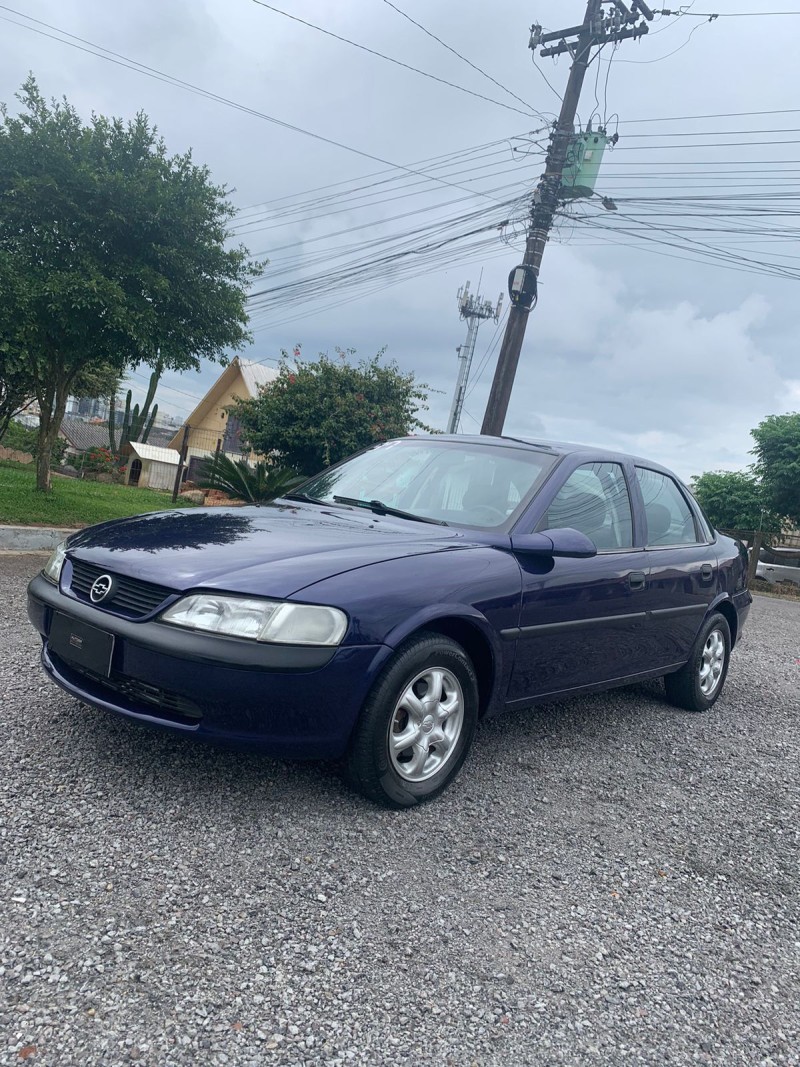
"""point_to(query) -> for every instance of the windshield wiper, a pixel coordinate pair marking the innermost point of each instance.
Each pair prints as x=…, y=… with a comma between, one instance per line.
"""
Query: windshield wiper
x=384, y=509
x=303, y=497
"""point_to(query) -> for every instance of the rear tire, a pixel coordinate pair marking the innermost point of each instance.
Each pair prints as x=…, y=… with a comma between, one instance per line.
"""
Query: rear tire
x=417, y=724
x=698, y=685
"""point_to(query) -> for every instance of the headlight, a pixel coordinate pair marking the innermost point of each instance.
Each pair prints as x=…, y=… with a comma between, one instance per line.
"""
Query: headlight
x=52, y=569
x=260, y=620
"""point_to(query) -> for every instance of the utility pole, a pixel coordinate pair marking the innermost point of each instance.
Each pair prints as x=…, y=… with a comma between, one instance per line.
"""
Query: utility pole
x=474, y=310
x=598, y=28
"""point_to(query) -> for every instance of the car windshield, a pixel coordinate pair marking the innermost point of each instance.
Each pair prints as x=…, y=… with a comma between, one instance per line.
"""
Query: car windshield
x=445, y=481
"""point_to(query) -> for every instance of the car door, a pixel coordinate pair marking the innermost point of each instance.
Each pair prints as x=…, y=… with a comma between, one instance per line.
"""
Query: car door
x=682, y=568
x=582, y=621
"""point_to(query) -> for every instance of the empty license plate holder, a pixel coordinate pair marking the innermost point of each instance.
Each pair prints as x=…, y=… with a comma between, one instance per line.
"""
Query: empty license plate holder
x=80, y=644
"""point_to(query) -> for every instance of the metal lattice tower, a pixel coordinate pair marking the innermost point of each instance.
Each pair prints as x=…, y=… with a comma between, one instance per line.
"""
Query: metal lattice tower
x=474, y=309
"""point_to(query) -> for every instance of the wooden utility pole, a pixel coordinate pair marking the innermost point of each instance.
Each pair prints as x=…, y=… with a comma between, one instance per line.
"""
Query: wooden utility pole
x=596, y=30
x=181, y=462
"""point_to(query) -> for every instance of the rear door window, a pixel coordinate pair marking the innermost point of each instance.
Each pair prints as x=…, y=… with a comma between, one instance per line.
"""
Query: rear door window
x=670, y=520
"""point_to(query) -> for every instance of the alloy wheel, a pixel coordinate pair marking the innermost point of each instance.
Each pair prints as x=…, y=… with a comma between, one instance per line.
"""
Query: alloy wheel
x=712, y=663
x=426, y=724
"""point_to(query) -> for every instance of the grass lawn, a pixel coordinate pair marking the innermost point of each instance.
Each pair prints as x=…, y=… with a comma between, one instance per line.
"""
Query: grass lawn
x=72, y=502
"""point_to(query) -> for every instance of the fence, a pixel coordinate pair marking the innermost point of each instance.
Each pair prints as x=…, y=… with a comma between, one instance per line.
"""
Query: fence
x=197, y=443
x=787, y=540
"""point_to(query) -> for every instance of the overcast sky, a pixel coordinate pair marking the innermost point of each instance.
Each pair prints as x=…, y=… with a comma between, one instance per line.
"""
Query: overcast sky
x=632, y=345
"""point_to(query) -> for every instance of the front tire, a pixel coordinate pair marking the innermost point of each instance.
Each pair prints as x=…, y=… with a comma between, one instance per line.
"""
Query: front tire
x=698, y=684
x=417, y=724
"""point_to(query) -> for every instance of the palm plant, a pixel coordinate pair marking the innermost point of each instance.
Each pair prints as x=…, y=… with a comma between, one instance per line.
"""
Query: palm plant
x=256, y=484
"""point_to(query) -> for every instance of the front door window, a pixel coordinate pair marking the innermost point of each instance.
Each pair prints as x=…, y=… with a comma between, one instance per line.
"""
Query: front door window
x=595, y=501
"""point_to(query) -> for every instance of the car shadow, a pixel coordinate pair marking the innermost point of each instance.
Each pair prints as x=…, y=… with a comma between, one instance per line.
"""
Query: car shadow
x=143, y=761
x=139, y=758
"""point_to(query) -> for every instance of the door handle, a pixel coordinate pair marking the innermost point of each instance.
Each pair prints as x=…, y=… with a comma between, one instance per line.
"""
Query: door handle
x=706, y=572
x=636, y=579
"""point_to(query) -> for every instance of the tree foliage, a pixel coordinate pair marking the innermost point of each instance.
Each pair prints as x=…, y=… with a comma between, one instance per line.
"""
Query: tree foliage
x=777, y=452
x=17, y=389
x=256, y=484
x=318, y=412
x=735, y=500
x=117, y=254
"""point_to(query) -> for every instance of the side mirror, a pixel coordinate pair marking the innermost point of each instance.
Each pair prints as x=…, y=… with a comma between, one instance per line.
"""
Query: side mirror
x=569, y=543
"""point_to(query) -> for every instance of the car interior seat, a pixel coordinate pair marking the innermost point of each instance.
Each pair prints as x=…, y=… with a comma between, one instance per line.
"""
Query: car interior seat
x=485, y=493
x=659, y=521
x=586, y=512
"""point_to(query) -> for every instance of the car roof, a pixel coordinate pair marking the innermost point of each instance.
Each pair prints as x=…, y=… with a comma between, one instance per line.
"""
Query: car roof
x=558, y=448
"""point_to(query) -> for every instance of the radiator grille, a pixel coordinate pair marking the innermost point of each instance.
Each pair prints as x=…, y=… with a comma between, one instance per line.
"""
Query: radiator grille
x=129, y=596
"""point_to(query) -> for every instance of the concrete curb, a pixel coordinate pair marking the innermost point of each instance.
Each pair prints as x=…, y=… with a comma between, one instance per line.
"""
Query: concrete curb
x=31, y=538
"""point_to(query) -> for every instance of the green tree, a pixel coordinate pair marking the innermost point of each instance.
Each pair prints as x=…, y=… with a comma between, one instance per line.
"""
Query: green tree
x=735, y=500
x=317, y=412
x=118, y=252
x=777, y=452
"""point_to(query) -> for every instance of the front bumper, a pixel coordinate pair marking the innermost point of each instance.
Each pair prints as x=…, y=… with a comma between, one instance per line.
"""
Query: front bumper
x=288, y=701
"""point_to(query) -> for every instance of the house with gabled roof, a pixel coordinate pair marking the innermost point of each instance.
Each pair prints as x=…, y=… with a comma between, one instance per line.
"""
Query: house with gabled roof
x=211, y=428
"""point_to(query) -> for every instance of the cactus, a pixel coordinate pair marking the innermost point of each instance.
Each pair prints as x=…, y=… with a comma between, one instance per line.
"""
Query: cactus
x=136, y=423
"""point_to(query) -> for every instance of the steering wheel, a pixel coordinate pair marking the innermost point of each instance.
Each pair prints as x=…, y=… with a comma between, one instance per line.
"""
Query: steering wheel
x=494, y=515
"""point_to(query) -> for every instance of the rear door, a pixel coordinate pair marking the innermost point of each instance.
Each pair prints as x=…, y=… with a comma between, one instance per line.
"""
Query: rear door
x=681, y=564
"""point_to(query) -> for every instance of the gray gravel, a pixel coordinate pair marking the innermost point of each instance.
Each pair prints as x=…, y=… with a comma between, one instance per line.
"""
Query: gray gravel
x=609, y=881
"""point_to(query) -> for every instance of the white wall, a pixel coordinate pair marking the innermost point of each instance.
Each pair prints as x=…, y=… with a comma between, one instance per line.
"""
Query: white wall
x=157, y=475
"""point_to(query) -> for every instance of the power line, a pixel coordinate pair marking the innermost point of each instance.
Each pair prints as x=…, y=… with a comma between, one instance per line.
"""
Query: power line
x=463, y=58
x=242, y=218
x=660, y=59
x=709, y=144
x=711, y=16
x=713, y=133
x=375, y=222
x=390, y=59
x=311, y=212
x=375, y=174
x=546, y=79
x=165, y=388
x=717, y=115
x=440, y=236
x=100, y=52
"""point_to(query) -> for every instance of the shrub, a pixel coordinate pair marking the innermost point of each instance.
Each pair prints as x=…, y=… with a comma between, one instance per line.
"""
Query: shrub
x=102, y=461
x=26, y=439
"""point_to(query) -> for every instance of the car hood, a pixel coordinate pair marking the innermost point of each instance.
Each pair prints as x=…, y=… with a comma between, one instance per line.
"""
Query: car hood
x=272, y=550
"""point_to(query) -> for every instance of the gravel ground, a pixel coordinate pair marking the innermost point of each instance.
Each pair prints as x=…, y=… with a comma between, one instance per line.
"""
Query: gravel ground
x=610, y=881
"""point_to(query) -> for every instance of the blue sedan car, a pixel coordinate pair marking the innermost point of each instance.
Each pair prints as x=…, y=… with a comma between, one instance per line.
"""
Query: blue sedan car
x=379, y=612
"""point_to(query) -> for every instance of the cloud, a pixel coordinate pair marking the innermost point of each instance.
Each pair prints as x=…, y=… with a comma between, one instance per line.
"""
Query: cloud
x=663, y=380
x=627, y=348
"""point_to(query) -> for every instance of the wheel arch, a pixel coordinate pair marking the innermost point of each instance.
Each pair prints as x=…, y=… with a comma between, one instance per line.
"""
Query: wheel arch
x=726, y=608
x=475, y=635
x=477, y=648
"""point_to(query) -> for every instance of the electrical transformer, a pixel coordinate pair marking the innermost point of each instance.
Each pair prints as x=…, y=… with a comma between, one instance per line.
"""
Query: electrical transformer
x=584, y=156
